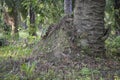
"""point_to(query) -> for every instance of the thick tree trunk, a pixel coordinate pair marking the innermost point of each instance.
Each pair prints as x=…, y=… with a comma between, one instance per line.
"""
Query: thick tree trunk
x=32, y=28
x=68, y=6
x=89, y=22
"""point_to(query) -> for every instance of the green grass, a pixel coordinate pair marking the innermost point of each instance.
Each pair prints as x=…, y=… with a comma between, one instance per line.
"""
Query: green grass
x=16, y=49
x=14, y=52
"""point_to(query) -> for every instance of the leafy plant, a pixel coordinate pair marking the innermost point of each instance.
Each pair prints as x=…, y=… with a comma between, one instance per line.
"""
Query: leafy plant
x=28, y=69
x=85, y=71
x=113, y=46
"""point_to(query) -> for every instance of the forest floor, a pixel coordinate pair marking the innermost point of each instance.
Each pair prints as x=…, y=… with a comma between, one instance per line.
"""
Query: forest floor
x=16, y=63
x=39, y=67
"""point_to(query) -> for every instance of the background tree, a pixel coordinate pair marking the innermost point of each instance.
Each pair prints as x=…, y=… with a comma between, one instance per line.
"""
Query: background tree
x=32, y=29
x=12, y=9
x=13, y=13
x=68, y=6
x=117, y=16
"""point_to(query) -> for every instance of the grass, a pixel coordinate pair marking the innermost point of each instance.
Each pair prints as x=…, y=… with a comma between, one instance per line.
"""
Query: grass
x=15, y=49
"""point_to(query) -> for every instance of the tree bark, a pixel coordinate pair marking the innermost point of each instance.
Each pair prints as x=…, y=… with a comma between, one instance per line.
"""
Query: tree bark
x=89, y=23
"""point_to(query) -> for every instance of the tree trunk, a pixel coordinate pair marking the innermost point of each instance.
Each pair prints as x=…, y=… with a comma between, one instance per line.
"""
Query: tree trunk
x=68, y=6
x=117, y=16
x=12, y=21
x=89, y=23
x=32, y=28
x=14, y=31
x=117, y=22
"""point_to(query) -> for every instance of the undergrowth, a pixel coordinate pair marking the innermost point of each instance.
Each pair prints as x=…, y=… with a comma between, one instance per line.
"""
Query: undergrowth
x=22, y=48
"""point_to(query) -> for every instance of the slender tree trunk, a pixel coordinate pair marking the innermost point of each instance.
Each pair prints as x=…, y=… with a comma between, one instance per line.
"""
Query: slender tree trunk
x=16, y=23
x=32, y=28
x=68, y=6
x=89, y=22
x=117, y=16
x=117, y=23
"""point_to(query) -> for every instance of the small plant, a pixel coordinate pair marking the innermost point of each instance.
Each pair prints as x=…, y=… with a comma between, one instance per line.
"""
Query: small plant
x=89, y=74
x=85, y=71
x=28, y=69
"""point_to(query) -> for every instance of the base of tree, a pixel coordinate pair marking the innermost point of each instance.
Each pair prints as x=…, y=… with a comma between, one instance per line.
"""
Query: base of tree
x=58, y=42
